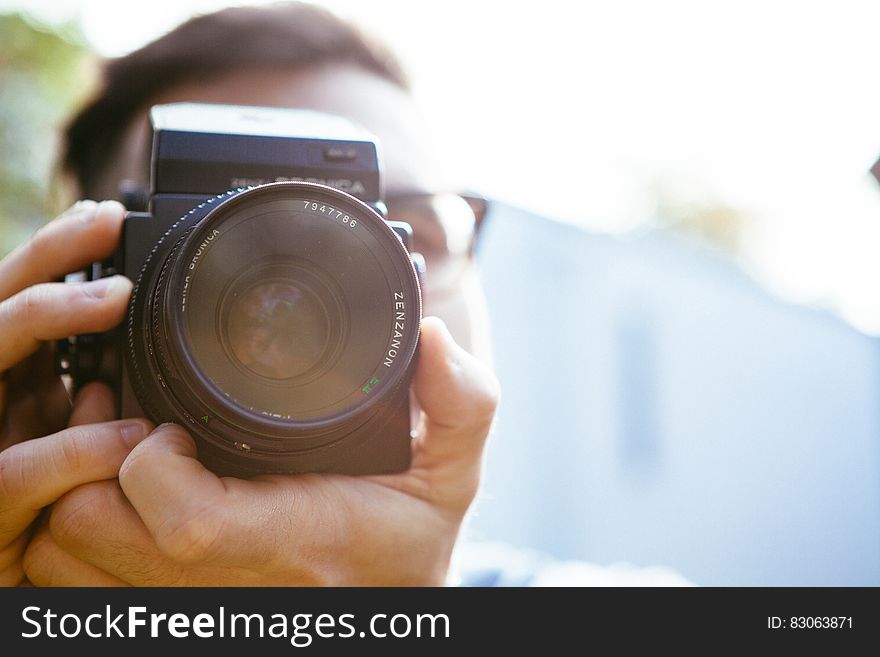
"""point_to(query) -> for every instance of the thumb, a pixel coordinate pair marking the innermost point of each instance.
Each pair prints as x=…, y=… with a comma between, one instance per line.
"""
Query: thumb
x=458, y=395
x=182, y=503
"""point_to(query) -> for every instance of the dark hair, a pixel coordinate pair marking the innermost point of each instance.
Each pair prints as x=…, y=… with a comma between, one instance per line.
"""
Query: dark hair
x=289, y=36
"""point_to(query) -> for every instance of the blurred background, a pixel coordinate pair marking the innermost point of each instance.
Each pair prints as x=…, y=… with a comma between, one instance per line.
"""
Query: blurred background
x=694, y=179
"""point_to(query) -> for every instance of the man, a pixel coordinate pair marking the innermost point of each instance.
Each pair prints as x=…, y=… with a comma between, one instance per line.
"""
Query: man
x=128, y=504
x=166, y=520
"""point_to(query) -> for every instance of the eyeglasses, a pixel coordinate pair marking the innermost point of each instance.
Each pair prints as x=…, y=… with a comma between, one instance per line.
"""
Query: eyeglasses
x=445, y=230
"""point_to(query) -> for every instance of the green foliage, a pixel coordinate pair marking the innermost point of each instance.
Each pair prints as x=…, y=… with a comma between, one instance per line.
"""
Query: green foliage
x=42, y=74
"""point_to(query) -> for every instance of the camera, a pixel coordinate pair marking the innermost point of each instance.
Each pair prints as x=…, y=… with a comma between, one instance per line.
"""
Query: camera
x=275, y=312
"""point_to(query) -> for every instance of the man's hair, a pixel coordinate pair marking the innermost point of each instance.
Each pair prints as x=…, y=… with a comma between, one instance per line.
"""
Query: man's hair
x=291, y=36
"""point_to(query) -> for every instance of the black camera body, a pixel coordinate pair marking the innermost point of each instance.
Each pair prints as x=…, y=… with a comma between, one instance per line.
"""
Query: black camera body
x=275, y=313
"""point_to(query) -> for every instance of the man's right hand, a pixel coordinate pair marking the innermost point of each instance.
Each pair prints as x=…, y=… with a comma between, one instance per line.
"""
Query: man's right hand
x=39, y=461
x=37, y=472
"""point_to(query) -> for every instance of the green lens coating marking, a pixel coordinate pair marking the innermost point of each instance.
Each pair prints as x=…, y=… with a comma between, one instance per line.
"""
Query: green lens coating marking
x=369, y=386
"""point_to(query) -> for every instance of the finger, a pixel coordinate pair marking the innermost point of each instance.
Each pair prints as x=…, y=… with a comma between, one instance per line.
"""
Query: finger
x=182, y=503
x=11, y=571
x=87, y=232
x=35, y=473
x=50, y=311
x=458, y=396
x=194, y=517
x=46, y=564
x=97, y=525
x=93, y=404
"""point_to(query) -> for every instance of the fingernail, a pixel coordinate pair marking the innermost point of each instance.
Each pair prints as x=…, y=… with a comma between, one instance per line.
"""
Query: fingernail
x=85, y=210
x=114, y=207
x=104, y=287
x=134, y=432
x=170, y=428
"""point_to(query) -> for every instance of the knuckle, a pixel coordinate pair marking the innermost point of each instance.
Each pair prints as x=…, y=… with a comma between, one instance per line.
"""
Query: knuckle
x=491, y=396
x=34, y=302
x=12, y=553
x=40, y=242
x=66, y=521
x=485, y=401
x=11, y=476
x=192, y=539
x=479, y=387
x=453, y=492
x=73, y=452
x=11, y=576
x=130, y=468
x=39, y=559
x=75, y=516
x=456, y=496
x=468, y=490
x=30, y=303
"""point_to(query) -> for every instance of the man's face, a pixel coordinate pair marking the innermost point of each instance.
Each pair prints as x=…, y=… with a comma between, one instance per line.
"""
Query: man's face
x=385, y=110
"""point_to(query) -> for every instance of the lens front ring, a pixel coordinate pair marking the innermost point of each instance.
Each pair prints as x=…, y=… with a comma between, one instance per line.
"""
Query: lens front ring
x=168, y=378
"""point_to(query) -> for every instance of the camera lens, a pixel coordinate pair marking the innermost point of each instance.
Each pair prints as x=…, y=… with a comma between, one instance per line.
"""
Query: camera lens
x=287, y=314
x=278, y=328
x=282, y=321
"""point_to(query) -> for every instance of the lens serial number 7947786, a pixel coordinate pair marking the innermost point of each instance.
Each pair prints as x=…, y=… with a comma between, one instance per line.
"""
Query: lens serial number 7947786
x=330, y=211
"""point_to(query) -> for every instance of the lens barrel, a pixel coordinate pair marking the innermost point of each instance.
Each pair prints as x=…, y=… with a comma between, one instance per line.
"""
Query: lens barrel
x=279, y=325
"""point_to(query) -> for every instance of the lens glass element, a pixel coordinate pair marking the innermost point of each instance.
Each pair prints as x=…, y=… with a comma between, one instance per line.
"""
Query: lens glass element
x=294, y=308
x=279, y=322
